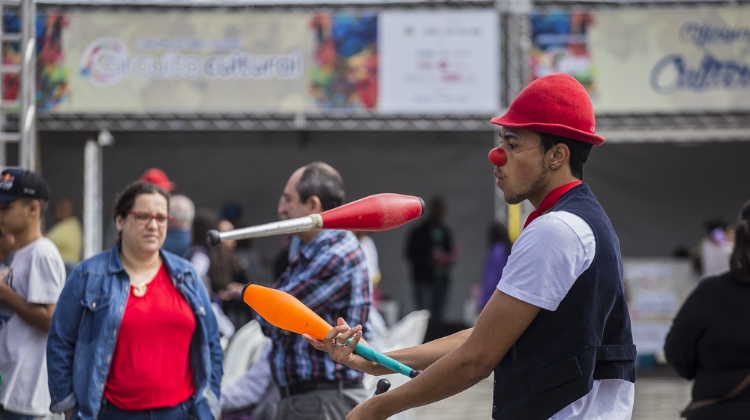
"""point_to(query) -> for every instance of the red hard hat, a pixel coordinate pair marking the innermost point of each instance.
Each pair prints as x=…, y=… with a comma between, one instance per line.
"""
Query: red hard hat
x=555, y=104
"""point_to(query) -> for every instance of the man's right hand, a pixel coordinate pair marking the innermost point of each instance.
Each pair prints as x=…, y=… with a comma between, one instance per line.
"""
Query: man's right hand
x=68, y=414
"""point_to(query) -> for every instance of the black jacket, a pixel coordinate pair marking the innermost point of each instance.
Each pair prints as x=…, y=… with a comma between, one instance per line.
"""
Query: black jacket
x=710, y=342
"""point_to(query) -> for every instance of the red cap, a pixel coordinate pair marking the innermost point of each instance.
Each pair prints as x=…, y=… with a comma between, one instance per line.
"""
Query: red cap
x=157, y=177
x=555, y=104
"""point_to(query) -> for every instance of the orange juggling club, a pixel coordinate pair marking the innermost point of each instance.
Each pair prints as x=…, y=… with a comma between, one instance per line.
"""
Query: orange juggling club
x=286, y=312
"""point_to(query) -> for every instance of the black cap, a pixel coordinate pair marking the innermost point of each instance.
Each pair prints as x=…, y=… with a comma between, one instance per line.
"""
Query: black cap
x=20, y=183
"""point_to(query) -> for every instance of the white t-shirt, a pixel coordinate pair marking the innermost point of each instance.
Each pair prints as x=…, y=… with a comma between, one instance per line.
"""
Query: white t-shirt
x=545, y=261
x=37, y=274
x=371, y=257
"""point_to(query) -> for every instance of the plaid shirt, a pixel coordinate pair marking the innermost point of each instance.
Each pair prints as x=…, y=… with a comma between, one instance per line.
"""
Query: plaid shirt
x=329, y=275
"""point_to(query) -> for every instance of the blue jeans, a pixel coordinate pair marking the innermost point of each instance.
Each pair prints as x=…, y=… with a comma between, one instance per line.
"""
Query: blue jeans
x=182, y=411
x=9, y=415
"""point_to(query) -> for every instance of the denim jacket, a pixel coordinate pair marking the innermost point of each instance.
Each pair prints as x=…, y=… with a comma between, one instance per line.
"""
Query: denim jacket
x=84, y=330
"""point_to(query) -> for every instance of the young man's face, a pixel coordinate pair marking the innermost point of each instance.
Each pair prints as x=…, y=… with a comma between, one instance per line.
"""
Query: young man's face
x=524, y=174
x=14, y=216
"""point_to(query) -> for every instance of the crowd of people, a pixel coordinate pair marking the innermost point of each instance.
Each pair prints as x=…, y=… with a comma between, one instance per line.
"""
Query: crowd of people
x=136, y=330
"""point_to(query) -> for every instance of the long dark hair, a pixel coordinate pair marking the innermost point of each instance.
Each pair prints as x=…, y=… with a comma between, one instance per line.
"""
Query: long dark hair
x=220, y=270
x=125, y=200
x=739, y=262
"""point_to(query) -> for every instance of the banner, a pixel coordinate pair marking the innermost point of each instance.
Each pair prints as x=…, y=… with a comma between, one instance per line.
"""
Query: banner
x=439, y=62
x=650, y=61
x=173, y=62
x=201, y=62
x=264, y=62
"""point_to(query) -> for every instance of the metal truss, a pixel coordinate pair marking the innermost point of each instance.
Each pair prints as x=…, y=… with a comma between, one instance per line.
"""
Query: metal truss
x=646, y=127
x=261, y=122
x=682, y=127
x=25, y=75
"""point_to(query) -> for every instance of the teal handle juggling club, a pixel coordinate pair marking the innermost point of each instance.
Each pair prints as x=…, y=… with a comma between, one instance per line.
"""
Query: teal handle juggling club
x=375, y=356
x=287, y=312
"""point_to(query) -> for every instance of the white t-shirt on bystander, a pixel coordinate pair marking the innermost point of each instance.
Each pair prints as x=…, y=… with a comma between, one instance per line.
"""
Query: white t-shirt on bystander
x=37, y=274
x=545, y=261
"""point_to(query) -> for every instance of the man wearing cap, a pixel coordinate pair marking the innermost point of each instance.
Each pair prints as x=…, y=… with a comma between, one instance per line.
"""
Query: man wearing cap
x=27, y=296
x=556, y=332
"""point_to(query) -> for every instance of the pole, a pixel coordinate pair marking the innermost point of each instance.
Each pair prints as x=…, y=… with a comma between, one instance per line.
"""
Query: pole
x=28, y=87
x=92, y=199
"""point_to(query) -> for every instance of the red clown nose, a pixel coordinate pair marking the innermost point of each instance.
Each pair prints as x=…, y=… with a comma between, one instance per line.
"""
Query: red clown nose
x=497, y=156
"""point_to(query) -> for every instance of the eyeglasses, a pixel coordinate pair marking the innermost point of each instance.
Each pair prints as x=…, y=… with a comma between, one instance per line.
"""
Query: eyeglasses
x=144, y=218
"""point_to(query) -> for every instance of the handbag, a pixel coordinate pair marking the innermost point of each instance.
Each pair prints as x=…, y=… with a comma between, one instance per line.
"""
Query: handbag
x=711, y=401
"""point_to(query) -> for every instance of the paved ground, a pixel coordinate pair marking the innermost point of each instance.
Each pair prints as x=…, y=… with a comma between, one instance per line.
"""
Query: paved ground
x=658, y=396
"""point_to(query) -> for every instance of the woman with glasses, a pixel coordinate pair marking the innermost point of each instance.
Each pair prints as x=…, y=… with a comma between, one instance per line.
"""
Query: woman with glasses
x=133, y=335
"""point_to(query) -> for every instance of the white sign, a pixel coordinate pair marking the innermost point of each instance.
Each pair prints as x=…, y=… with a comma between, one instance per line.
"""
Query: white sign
x=439, y=62
x=649, y=337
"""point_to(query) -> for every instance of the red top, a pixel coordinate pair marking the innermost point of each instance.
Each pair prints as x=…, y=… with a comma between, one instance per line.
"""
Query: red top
x=549, y=201
x=151, y=363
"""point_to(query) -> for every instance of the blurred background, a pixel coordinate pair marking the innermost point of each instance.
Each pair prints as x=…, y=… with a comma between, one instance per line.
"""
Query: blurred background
x=229, y=97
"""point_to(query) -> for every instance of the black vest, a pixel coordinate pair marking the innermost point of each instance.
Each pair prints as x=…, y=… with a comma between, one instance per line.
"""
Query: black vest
x=588, y=337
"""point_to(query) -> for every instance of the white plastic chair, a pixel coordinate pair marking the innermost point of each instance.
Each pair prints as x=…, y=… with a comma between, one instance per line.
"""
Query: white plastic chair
x=408, y=332
x=242, y=352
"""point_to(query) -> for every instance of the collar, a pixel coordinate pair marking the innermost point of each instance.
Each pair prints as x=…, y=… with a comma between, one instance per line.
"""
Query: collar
x=115, y=265
x=309, y=249
x=550, y=200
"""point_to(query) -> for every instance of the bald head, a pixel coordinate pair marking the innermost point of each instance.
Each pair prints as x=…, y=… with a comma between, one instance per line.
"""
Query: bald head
x=182, y=210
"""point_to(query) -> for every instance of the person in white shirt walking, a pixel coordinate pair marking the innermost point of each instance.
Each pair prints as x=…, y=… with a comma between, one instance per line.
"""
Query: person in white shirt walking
x=28, y=294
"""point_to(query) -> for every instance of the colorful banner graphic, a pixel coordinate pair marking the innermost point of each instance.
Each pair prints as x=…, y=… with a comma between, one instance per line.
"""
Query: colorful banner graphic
x=344, y=74
x=560, y=45
x=650, y=61
x=51, y=72
x=439, y=62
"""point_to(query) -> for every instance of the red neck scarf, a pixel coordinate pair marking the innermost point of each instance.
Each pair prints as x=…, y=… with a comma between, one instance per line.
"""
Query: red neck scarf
x=549, y=201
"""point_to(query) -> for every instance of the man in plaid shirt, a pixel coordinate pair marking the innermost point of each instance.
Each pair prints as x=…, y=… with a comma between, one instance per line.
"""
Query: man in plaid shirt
x=329, y=275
